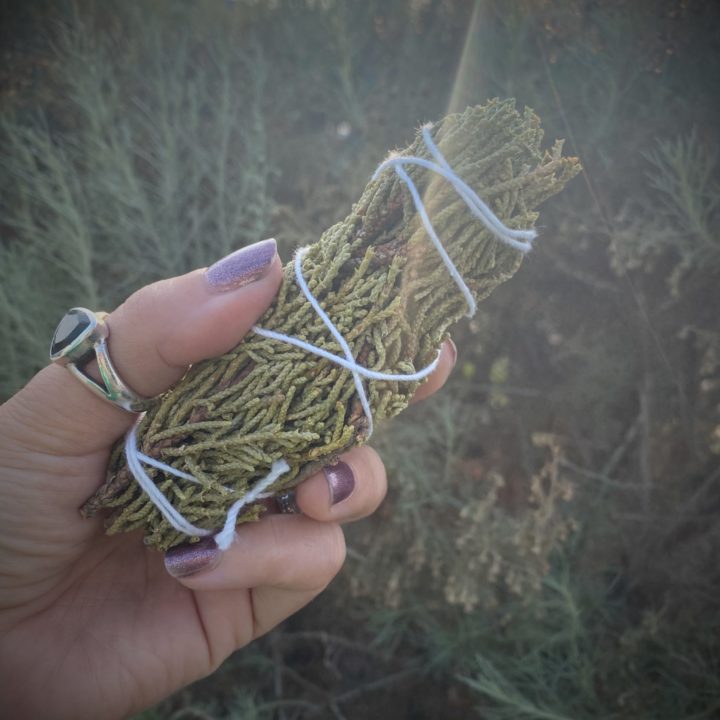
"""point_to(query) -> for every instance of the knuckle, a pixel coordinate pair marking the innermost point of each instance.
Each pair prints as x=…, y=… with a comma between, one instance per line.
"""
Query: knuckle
x=376, y=478
x=335, y=552
x=328, y=559
x=276, y=548
x=144, y=296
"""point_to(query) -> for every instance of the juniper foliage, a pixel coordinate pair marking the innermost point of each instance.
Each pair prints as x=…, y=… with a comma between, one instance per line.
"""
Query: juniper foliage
x=378, y=278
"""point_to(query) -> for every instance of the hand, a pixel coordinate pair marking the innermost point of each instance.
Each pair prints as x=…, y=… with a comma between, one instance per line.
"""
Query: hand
x=95, y=626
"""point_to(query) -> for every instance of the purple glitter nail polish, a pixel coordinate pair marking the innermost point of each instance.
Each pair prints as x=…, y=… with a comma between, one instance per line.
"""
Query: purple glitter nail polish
x=241, y=267
x=341, y=481
x=185, y=560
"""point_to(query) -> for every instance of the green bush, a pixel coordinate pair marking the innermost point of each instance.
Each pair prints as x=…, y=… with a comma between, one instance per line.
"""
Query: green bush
x=149, y=160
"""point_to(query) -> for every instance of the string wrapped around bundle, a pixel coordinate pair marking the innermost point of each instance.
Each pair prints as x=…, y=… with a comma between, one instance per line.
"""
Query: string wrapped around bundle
x=302, y=388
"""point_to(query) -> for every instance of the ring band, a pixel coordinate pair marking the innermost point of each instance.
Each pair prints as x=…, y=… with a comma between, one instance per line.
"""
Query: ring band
x=80, y=337
x=287, y=503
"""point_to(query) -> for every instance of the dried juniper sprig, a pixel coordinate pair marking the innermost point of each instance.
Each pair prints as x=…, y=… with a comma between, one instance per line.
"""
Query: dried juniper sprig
x=382, y=284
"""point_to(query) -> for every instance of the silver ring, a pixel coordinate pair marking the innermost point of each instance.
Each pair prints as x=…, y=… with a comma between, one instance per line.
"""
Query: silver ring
x=287, y=503
x=80, y=337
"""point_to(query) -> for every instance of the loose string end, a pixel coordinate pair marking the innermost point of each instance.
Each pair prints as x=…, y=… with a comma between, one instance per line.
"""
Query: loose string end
x=226, y=537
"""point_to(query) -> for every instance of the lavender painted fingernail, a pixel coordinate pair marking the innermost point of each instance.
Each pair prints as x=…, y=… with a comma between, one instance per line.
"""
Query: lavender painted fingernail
x=185, y=560
x=341, y=481
x=242, y=266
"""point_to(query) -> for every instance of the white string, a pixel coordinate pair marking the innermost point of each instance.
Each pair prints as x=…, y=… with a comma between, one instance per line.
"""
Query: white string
x=449, y=264
x=153, y=491
x=179, y=473
x=225, y=537
x=166, y=468
x=362, y=371
x=358, y=371
x=518, y=239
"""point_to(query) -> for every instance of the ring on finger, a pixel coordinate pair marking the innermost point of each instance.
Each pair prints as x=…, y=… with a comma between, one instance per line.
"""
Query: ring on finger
x=80, y=337
x=287, y=503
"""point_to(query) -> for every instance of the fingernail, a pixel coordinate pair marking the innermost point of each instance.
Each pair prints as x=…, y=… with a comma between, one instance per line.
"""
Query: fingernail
x=341, y=481
x=453, y=350
x=242, y=266
x=185, y=560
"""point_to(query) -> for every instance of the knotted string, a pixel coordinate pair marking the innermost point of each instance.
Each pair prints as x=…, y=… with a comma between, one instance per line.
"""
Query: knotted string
x=520, y=240
x=225, y=537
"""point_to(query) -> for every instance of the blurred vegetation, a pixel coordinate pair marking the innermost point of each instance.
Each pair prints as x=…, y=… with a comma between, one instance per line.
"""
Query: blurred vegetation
x=549, y=546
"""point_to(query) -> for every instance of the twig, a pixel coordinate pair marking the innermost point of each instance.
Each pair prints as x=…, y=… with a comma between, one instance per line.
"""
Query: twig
x=330, y=701
x=509, y=389
x=646, y=393
x=612, y=482
x=278, y=664
x=684, y=513
x=709, y=480
x=619, y=452
x=355, y=555
x=328, y=639
x=585, y=278
x=377, y=685
x=190, y=713
x=370, y=687
x=297, y=703
x=304, y=683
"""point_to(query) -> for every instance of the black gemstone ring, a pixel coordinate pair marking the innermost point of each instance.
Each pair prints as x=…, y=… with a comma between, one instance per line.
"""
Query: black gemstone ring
x=81, y=337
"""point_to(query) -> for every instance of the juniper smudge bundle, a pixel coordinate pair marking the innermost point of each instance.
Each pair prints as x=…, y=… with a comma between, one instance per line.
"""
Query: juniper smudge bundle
x=380, y=280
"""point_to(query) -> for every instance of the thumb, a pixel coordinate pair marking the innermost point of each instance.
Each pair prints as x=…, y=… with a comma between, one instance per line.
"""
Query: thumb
x=154, y=336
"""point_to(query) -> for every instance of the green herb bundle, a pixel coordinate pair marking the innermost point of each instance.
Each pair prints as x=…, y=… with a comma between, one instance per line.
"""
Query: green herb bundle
x=382, y=284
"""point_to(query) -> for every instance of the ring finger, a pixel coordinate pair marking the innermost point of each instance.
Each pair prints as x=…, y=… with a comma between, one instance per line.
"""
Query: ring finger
x=351, y=489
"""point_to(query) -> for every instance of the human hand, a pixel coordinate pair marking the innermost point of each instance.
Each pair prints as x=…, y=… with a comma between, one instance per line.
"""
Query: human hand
x=95, y=626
